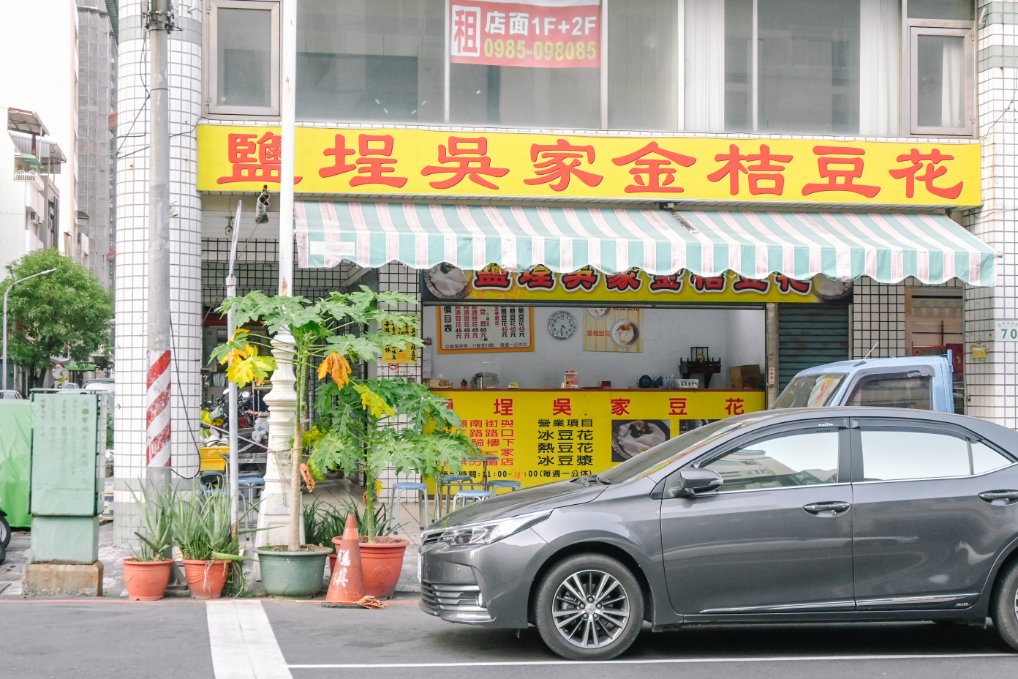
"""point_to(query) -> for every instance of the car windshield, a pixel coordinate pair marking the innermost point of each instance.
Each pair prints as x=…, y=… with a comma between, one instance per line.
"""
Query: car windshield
x=809, y=391
x=667, y=453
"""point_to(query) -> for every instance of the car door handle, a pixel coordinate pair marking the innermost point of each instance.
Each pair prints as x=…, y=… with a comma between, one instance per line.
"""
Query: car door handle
x=827, y=508
x=999, y=497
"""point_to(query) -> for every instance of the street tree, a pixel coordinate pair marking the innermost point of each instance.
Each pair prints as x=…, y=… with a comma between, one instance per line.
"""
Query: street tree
x=66, y=313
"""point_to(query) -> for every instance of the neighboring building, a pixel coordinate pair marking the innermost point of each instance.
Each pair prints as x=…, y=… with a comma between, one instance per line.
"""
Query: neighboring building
x=659, y=134
x=97, y=62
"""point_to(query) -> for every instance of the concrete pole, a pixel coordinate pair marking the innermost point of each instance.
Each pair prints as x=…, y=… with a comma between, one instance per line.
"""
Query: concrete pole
x=231, y=327
x=159, y=22
x=274, y=511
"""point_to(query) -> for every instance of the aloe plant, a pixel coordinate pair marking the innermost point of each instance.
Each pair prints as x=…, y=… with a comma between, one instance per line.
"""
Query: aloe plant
x=203, y=527
x=155, y=535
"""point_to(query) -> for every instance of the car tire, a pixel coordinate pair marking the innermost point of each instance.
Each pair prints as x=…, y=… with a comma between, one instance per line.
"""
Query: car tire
x=5, y=532
x=1005, y=607
x=603, y=626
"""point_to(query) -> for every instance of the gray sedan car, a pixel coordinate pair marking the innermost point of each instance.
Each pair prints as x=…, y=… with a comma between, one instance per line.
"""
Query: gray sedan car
x=842, y=514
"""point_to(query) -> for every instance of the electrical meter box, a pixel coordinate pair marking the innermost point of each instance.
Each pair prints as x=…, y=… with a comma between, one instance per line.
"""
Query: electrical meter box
x=67, y=439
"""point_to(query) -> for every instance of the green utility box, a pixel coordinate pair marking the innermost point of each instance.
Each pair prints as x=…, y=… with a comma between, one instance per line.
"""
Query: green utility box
x=66, y=476
x=15, y=459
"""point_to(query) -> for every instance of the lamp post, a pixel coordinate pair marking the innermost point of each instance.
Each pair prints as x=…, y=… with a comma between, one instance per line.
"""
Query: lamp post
x=7, y=292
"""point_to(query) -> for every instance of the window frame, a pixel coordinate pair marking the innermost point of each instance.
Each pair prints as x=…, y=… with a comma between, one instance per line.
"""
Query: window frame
x=839, y=426
x=912, y=30
x=211, y=64
x=904, y=374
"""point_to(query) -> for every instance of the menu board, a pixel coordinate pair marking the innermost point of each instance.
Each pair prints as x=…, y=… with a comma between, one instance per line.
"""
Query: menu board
x=470, y=329
x=541, y=436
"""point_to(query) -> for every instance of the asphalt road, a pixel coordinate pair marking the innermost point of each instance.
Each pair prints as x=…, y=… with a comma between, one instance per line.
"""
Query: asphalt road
x=177, y=638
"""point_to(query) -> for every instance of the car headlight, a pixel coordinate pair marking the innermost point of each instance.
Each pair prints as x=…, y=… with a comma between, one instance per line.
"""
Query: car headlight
x=490, y=531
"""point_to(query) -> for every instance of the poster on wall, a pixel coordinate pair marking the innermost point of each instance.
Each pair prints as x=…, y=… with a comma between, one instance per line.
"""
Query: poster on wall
x=393, y=355
x=548, y=435
x=532, y=33
x=472, y=329
x=612, y=329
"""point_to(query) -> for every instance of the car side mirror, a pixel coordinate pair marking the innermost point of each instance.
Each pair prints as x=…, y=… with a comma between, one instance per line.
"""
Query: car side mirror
x=689, y=483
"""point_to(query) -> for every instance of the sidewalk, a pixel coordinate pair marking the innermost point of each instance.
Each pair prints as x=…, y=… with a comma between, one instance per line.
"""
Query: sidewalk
x=333, y=491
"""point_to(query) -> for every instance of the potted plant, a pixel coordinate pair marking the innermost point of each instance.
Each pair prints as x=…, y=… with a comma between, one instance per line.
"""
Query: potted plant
x=147, y=571
x=324, y=523
x=356, y=429
x=206, y=545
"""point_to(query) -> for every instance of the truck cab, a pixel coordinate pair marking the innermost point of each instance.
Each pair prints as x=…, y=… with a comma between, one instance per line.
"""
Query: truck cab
x=923, y=382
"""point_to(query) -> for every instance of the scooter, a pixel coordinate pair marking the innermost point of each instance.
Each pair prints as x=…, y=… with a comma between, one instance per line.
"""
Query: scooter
x=5, y=535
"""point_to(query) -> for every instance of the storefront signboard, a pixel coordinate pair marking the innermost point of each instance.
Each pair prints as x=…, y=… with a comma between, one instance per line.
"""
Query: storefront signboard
x=395, y=356
x=542, y=436
x=566, y=34
x=443, y=163
x=590, y=286
x=471, y=329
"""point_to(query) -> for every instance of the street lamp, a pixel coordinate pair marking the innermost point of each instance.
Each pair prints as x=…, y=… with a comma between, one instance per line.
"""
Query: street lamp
x=7, y=292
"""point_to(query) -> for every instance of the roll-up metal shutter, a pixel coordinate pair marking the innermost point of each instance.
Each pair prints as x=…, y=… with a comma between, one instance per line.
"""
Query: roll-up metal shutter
x=808, y=335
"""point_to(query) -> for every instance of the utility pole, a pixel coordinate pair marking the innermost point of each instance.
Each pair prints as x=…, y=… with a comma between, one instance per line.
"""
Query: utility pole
x=159, y=23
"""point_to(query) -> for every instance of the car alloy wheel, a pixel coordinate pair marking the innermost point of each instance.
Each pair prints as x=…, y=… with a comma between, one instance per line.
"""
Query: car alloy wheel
x=589, y=607
x=1005, y=606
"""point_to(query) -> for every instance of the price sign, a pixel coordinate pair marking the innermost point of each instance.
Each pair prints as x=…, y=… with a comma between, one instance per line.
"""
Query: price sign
x=1006, y=330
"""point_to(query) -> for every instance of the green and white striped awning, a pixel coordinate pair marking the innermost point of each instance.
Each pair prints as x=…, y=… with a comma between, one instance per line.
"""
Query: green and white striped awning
x=887, y=247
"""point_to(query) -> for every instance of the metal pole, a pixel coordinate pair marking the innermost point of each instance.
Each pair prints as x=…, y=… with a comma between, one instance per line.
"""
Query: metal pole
x=7, y=292
x=288, y=115
x=159, y=22
x=231, y=327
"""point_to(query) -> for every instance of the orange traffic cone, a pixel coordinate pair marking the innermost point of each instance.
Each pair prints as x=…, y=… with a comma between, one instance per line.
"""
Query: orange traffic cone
x=346, y=586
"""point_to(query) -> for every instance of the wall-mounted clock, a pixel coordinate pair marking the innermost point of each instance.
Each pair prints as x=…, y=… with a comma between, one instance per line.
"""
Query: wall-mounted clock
x=561, y=325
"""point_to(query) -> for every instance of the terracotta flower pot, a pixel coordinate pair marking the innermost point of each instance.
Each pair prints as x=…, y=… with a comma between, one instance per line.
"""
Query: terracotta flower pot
x=206, y=579
x=381, y=562
x=146, y=580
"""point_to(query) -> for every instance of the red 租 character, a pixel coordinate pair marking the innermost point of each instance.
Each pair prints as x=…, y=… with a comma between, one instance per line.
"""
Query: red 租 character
x=254, y=158
x=374, y=165
x=929, y=163
x=653, y=170
x=764, y=176
x=559, y=163
x=840, y=166
x=464, y=158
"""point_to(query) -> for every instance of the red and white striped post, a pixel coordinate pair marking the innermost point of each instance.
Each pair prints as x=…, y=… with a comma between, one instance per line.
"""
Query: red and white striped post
x=157, y=410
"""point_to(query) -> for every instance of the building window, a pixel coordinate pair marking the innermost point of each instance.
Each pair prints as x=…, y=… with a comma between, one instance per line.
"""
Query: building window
x=941, y=67
x=243, y=41
x=370, y=60
x=643, y=64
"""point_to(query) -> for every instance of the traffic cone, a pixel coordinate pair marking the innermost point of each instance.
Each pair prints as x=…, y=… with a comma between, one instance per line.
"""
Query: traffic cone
x=346, y=586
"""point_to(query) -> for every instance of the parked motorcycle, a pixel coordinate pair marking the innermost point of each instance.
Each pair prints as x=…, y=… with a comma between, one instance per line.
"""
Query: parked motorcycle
x=5, y=535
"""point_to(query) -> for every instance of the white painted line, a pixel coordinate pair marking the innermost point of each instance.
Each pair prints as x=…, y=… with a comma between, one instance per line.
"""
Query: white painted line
x=242, y=641
x=661, y=661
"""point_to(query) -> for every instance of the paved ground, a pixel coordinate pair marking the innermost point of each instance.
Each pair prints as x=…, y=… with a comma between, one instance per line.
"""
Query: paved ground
x=332, y=491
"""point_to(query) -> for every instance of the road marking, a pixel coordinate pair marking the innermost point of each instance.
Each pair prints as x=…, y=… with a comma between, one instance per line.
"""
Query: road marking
x=242, y=641
x=661, y=661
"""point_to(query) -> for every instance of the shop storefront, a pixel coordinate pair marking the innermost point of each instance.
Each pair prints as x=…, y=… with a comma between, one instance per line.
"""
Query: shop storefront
x=570, y=334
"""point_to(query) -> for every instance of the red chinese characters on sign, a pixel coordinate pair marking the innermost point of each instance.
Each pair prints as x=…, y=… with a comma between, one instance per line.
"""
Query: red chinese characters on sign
x=561, y=406
x=653, y=169
x=464, y=158
x=671, y=283
x=537, y=278
x=502, y=406
x=620, y=406
x=743, y=284
x=375, y=163
x=786, y=284
x=677, y=406
x=492, y=278
x=763, y=170
x=556, y=164
x=840, y=166
x=925, y=168
x=707, y=283
x=525, y=33
x=582, y=279
x=254, y=158
x=735, y=406
x=626, y=280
